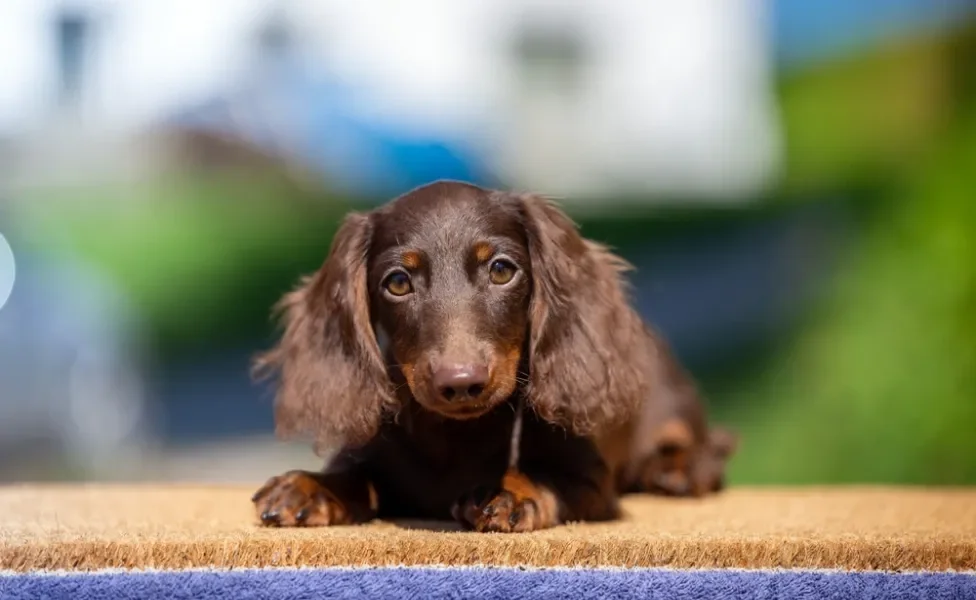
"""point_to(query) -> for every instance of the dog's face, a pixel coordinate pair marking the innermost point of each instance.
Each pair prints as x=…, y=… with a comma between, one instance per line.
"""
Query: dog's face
x=450, y=279
x=478, y=294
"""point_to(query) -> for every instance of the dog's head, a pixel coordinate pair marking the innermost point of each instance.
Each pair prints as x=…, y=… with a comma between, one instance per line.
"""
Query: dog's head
x=464, y=297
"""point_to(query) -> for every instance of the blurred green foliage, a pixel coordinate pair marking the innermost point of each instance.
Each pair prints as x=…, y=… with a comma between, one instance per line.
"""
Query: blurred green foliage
x=203, y=256
x=855, y=119
x=880, y=383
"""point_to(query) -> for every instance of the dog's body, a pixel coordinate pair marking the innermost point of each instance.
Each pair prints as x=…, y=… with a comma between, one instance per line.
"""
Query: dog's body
x=432, y=320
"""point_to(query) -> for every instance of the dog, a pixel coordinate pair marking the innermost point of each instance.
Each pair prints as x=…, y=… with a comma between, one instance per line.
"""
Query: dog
x=432, y=321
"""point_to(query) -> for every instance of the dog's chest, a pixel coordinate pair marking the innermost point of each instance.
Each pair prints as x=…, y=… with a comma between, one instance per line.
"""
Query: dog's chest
x=424, y=466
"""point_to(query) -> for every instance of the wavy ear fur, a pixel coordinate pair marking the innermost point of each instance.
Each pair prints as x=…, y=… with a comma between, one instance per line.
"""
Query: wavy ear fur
x=332, y=382
x=589, y=356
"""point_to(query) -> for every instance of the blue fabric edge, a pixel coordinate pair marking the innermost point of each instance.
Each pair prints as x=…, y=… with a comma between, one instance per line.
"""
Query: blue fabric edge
x=415, y=583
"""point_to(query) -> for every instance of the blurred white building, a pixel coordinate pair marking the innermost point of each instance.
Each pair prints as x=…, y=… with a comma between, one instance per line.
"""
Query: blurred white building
x=570, y=97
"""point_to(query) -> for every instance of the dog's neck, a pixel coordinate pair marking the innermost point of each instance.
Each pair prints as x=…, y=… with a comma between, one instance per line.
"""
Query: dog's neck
x=437, y=437
x=414, y=418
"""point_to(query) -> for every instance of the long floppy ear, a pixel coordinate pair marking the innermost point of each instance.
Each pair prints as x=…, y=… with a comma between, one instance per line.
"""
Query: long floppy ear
x=589, y=356
x=332, y=383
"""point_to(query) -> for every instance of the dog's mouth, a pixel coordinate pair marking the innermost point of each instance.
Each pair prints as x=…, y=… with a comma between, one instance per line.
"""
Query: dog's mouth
x=490, y=398
x=464, y=413
x=472, y=408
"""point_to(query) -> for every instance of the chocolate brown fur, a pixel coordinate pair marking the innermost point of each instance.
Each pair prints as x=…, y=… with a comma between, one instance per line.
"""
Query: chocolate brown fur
x=417, y=389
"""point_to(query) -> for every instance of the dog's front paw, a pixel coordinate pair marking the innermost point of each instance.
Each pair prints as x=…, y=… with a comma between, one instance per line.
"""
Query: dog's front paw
x=298, y=499
x=518, y=505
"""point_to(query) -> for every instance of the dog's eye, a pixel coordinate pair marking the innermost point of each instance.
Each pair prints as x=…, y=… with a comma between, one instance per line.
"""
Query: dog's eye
x=501, y=272
x=398, y=283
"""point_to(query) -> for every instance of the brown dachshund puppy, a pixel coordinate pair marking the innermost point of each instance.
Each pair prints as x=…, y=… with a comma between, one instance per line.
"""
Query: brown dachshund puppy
x=432, y=318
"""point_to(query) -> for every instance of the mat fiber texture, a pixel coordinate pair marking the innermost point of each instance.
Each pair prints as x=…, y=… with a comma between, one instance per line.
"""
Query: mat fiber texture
x=178, y=527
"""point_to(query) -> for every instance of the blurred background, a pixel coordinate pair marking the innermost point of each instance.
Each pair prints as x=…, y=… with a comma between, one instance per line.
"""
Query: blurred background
x=795, y=182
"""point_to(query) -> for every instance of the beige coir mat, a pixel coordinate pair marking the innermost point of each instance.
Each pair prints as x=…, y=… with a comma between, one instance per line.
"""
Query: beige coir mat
x=175, y=527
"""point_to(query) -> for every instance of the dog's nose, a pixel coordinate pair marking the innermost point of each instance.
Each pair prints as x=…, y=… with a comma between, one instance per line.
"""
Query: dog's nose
x=457, y=383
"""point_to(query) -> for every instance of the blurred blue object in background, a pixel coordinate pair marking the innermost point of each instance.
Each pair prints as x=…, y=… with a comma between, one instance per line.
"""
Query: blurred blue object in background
x=72, y=366
x=319, y=123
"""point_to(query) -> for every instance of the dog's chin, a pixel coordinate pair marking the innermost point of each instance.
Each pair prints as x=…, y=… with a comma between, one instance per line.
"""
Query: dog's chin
x=461, y=413
x=464, y=411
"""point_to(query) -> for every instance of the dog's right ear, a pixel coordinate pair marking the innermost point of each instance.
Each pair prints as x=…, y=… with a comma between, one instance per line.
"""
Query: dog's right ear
x=332, y=382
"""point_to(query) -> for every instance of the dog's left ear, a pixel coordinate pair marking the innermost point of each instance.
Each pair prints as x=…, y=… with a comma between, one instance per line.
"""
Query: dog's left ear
x=589, y=354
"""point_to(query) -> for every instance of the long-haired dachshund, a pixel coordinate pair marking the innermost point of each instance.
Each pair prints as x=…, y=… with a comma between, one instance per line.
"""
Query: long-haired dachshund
x=432, y=321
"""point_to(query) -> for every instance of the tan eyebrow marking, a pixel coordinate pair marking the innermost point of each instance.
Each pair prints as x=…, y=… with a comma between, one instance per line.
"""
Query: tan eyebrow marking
x=483, y=251
x=411, y=259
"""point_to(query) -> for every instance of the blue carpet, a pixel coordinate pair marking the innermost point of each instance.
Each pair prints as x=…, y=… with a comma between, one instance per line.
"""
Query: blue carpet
x=496, y=583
